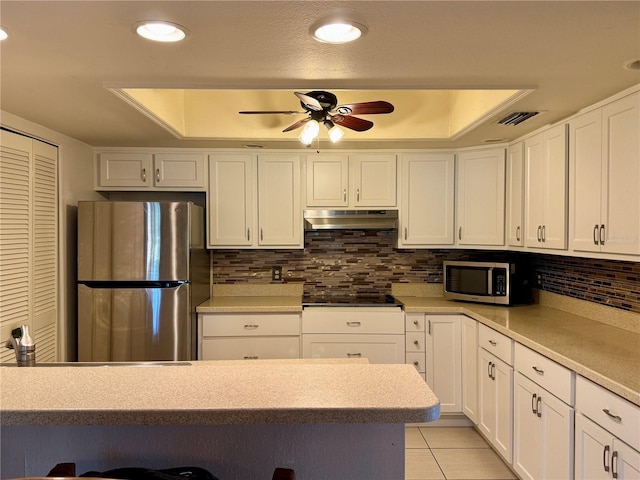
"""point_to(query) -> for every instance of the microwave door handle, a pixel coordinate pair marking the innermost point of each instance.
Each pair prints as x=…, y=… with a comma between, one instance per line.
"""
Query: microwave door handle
x=490, y=281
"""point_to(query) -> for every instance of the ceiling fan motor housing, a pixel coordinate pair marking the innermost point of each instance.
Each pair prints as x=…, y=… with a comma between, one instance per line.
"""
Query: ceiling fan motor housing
x=327, y=100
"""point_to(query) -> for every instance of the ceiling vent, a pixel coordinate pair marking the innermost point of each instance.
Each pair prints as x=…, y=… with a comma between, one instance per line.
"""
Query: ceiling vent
x=516, y=118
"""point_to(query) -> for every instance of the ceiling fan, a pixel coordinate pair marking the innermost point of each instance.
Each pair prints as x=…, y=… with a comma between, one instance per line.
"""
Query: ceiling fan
x=322, y=107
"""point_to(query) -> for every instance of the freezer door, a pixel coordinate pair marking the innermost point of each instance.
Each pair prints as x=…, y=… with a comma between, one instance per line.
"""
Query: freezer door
x=133, y=241
x=134, y=324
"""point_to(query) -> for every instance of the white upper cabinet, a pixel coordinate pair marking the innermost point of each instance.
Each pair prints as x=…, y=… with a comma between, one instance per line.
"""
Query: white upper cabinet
x=360, y=180
x=605, y=175
x=480, y=195
x=140, y=171
x=427, y=198
x=254, y=202
x=515, y=195
x=546, y=189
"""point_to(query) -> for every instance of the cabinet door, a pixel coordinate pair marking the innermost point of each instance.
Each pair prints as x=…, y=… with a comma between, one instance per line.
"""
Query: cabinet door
x=279, y=212
x=443, y=361
x=515, y=195
x=554, y=227
x=585, y=164
x=125, y=170
x=428, y=182
x=480, y=194
x=527, y=438
x=469, y=332
x=534, y=190
x=486, y=394
x=626, y=461
x=231, y=200
x=179, y=170
x=373, y=180
x=621, y=176
x=557, y=436
x=592, y=450
x=327, y=180
x=503, y=379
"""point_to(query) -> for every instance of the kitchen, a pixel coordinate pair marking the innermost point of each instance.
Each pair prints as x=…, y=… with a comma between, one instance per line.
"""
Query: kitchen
x=81, y=135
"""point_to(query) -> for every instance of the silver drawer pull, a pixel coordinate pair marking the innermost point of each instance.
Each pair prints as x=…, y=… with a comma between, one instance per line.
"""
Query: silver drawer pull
x=416, y=323
x=493, y=342
x=416, y=343
x=351, y=355
x=615, y=418
x=250, y=357
x=417, y=364
x=537, y=370
x=353, y=324
x=251, y=326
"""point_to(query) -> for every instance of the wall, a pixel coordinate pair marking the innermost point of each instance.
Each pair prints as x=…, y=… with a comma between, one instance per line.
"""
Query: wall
x=366, y=263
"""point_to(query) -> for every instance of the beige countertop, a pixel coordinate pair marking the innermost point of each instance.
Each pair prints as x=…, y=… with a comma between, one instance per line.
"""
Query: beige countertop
x=253, y=303
x=224, y=392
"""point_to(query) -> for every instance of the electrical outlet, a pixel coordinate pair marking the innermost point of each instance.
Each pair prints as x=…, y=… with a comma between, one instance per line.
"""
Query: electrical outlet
x=276, y=274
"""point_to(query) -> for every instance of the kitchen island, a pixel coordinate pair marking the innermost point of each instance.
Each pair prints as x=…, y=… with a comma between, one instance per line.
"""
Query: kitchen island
x=323, y=418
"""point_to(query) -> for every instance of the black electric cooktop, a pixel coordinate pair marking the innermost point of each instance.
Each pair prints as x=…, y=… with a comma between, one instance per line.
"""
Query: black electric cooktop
x=350, y=301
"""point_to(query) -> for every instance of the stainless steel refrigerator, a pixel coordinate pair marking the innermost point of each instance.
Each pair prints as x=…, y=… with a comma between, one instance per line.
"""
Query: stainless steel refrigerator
x=142, y=270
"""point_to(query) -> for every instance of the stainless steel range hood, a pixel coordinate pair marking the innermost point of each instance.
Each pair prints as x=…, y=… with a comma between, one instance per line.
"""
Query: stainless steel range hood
x=350, y=219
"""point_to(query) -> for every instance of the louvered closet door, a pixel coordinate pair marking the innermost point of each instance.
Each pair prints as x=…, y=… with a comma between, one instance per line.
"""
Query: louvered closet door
x=28, y=241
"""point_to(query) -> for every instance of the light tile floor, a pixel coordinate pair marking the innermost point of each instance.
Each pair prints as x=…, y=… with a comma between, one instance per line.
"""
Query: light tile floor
x=450, y=453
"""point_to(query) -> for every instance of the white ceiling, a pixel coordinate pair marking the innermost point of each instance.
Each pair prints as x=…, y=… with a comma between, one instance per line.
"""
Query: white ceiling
x=61, y=56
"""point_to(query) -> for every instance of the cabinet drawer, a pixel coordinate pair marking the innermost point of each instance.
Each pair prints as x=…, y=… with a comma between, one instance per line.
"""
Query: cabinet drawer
x=236, y=325
x=551, y=376
x=353, y=320
x=414, y=322
x=623, y=419
x=376, y=348
x=415, y=342
x=250, y=348
x=498, y=344
x=418, y=360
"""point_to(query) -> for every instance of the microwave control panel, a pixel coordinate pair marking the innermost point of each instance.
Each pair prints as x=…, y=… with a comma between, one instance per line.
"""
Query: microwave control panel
x=499, y=282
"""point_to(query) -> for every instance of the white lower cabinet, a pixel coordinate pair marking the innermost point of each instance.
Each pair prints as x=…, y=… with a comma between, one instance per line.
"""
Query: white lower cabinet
x=469, y=367
x=377, y=334
x=443, y=360
x=607, y=434
x=248, y=336
x=495, y=396
x=416, y=342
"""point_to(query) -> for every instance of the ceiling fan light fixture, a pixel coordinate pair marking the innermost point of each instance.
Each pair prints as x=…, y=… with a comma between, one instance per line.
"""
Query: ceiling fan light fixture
x=3, y=34
x=160, y=31
x=335, y=132
x=309, y=132
x=338, y=31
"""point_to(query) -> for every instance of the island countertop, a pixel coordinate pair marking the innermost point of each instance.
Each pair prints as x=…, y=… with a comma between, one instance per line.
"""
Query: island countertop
x=217, y=392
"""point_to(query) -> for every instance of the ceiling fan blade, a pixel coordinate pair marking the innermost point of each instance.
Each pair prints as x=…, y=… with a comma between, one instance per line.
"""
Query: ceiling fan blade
x=354, y=123
x=298, y=124
x=364, y=108
x=310, y=102
x=261, y=112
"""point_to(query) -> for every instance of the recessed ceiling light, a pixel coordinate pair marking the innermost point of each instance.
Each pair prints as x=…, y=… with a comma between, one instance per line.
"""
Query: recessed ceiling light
x=160, y=31
x=632, y=64
x=3, y=34
x=338, y=31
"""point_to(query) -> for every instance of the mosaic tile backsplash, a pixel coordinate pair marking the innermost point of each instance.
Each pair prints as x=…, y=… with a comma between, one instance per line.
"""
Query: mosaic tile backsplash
x=365, y=263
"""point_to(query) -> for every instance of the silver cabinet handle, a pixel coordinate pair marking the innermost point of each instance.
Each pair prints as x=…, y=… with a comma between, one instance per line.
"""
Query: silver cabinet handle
x=144, y=174
x=405, y=233
x=493, y=343
x=351, y=355
x=534, y=404
x=248, y=235
x=539, y=233
x=615, y=418
x=344, y=195
x=614, y=464
x=416, y=343
x=595, y=234
x=544, y=233
x=251, y=326
x=416, y=363
x=518, y=233
x=250, y=357
x=489, y=369
x=358, y=195
x=261, y=234
x=459, y=233
x=538, y=409
x=538, y=370
x=353, y=324
x=493, y=371
x=416, y=323
x=602, y=232
x=605, y=457
x=157, y=175
x=429, y=327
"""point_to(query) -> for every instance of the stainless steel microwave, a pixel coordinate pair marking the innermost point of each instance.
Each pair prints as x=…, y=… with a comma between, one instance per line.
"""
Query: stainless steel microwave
x=486, y=282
